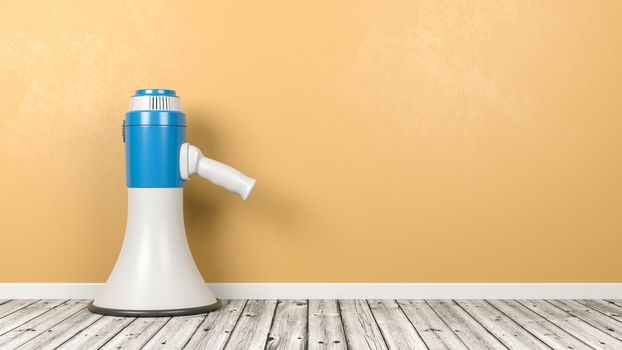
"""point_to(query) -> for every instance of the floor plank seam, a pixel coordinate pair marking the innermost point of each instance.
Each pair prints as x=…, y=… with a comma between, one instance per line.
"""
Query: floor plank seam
x=520, y=325
x=343, y=327
x=575, y=316
x=556, y=325
x=117, y=333
x=307, y=325
x=195, y=330
x=584, y=321
x=235, y=326
x=52, y=326
x=479, y=323
x=617, y=303
x=308, y=322
x=411, y=323
x=21, y=307
x=602, y=313
x=446, y=324
x=68, y=339
x=384, y=337
x=30, y=319
x=154, y=333
x=278, y=301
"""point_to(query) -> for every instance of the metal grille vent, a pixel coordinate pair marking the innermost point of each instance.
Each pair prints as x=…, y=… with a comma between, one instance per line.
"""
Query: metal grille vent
x=155, y=103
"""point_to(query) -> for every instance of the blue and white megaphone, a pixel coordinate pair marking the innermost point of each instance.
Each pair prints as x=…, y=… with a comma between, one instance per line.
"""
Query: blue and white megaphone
x=155, y=274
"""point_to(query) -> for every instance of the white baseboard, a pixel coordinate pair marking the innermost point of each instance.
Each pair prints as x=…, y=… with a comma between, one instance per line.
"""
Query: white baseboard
x=345, y=290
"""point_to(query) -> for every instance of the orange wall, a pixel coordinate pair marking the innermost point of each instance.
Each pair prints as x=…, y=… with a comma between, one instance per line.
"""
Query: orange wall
x=393, y=141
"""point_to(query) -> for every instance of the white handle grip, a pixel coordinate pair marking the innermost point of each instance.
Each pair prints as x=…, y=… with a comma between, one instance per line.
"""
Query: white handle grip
x=192, y=161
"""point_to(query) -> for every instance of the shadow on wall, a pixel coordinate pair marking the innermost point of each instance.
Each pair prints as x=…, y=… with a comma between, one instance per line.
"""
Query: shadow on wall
x=205, y=205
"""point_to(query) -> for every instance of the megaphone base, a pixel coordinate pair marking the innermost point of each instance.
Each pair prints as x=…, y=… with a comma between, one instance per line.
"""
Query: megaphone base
x=154, y=313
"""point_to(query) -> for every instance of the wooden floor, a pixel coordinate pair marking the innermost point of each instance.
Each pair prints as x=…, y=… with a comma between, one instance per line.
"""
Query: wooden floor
x=323, y=324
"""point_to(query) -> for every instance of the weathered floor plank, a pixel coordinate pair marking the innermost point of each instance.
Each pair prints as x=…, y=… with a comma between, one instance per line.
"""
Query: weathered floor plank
x=175, y=333
x=605, y=307
x=38, y=325
x=592, y=317
x=510, y=333
x=98, y=333
x=573, y=325
x=325, y=327
x=322, y=324
x=546, y=331
x=251, y=331
x=13, y=305
x=617, y=302
x=289, y=326
x=472, y=334
x=136, y=334
x=359, y=325
x=435, y=333
x=216, y=329
x=396, y=329
x=61, y=332
x=23, y=315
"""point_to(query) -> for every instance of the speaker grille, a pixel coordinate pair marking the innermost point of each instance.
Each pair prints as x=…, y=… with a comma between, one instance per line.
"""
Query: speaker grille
x=155, y=103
